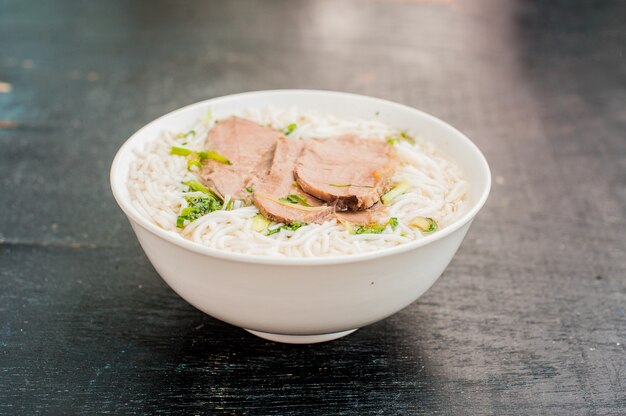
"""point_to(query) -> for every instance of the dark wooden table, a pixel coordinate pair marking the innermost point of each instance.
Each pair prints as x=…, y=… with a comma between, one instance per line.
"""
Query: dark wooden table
x=528, y=319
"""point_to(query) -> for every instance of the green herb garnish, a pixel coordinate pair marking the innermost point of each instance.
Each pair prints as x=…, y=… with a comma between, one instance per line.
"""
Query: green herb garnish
x=395, y=192
x=372, y=228
x=180, y=151
x=210, y=154
x=290, y=129
x=189, y=133
x=406, y=137
x=249, y=189
x=193, y=163
x=197, y=207
x=290, y=204
x=195, y=186
x=402, y=136
x=196, y=158
x=425, y=224
x=368, y=229
x=295, y=199
x=291, y=226
x=260, y=223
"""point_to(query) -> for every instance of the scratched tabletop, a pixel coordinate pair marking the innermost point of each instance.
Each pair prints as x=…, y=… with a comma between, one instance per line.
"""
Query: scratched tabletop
x=528, y=319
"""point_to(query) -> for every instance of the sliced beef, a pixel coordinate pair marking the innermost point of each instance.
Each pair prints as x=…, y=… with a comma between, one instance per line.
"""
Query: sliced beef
x=279, y=183
x=248, y=146
x=350, y=171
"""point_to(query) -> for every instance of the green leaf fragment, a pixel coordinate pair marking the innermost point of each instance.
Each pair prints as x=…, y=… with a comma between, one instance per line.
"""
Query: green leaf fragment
x=294, y=225
x=193, y=163
x=189, y=133
x=198, y=157
x=180, y=151
x=273, y=231
x=395, y=192
x=210, y=154
x=197, y=207
x=406, y=137
x=195, y=186
x=425, y=224
x=368, y=229
x=295, y=199
x=401, y=136
x=372, y=228
x=291, y=227
x=260, y=223
x=290, y=129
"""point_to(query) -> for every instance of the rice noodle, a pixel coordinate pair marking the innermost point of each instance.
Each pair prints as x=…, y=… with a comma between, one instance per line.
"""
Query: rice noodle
x=436, y=190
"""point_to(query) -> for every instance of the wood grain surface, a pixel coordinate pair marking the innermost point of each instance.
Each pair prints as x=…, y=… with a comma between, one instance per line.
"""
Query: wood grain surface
x=530, y=317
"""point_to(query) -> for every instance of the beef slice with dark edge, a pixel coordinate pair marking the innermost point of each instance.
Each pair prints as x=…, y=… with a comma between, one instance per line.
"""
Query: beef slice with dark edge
x=279, y=183
x=248, y=146
x=350, y=171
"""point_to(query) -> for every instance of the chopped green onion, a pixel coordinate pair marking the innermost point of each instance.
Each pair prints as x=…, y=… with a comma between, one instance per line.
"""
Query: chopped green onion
x=368, y=229
x=425, y=224
x=295, y=199
x=196, y=158
x=289, y=204
x=405, y=136
x=290, y=129
x=273, y=231
x=402, y=136
x=189, y=133
x=193, y=162
x=197, y=207
x=210, y=154
x=249, y=189
x=395, y=192
x=186, y=211
x=180, y=151
x=291, y=226
x=196, y=186
x=371, y=228
x=294, y=225
x=260, y=223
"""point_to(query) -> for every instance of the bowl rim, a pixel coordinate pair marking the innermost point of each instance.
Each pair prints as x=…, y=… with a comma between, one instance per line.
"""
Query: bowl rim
x=177, y=240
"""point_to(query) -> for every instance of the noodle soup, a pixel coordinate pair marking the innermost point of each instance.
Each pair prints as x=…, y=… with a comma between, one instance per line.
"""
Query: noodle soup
x=424, y=193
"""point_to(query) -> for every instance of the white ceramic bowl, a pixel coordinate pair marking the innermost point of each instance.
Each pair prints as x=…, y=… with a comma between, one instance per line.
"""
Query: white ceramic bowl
x=304, y=300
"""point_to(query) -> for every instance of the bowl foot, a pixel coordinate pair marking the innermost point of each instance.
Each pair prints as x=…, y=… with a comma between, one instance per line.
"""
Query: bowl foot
x=301, y=339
